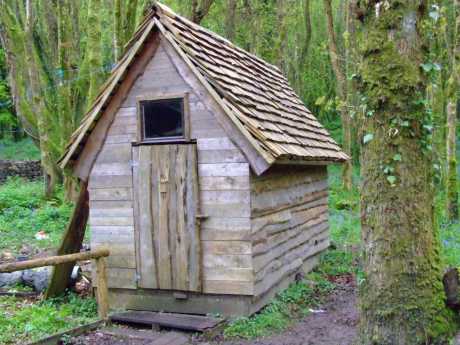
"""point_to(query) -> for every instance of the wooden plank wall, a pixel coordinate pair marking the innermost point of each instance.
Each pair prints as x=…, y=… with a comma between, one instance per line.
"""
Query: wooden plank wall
x=289, y=221
x=224, y=190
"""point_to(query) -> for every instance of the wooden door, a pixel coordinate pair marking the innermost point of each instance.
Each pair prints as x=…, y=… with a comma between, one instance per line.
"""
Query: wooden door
x=166, y=208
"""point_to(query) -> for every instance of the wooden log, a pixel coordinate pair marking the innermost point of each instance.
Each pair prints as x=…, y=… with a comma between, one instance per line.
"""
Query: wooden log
x=71, y=243
x=53, y=260
x=451, y=287
x=56, y=339
x=102, y=289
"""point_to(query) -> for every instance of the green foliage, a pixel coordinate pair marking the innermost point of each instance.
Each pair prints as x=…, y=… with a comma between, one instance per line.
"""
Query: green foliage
x=344, y=221
x=336, y=263
x=7, y=118
x=22, y=321
x=24, y=149
x=278, y=315
x=24, y=211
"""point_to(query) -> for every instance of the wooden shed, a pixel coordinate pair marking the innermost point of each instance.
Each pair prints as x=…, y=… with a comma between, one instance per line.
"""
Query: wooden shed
x=206, y=174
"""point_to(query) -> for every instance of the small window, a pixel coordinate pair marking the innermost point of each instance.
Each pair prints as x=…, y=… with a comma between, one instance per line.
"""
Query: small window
x=162, y=119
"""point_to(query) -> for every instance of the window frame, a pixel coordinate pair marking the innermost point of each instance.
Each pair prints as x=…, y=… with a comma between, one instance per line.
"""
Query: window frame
x=185, y=118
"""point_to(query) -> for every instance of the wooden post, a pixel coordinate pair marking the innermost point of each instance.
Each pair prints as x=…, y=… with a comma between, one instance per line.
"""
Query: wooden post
x=102, y=289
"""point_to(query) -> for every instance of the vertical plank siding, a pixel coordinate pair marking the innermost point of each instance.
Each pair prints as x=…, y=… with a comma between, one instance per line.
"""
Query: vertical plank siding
x=167, y=206
x=224, y=193
x=289, y=222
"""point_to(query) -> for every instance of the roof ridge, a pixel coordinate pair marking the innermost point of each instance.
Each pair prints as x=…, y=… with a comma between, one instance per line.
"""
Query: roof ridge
x=170, y=13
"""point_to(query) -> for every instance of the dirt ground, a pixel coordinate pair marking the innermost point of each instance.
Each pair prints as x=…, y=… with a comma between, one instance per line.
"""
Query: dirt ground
x=335, y=326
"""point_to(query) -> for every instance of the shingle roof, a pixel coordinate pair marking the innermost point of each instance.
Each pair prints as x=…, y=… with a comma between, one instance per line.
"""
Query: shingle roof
x=256, y=92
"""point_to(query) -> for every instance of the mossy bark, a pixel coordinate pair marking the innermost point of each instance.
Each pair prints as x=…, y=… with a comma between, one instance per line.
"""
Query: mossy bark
x=117, y=30
x=452, y=192
x=339, y=64
x=94, y=48
x=401, y=298
x=451, y=110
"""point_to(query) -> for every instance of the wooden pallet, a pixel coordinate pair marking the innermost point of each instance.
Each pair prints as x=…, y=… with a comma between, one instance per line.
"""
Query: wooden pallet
x=185, y=322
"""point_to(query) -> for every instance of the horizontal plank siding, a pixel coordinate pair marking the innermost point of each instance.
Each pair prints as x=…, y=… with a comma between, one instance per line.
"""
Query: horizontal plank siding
x=289, y=223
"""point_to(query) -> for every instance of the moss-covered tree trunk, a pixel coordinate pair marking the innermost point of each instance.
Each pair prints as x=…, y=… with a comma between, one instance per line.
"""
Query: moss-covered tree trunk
x=338, y=65
x=200, y=9
x=117, y=30
x=130, y=20
x=94, y=48
x=51, y=171
x=401, y=298
x=451, y=110
x=230, y=19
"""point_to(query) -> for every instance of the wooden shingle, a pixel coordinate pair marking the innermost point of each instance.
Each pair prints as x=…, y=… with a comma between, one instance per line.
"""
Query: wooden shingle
x=256, y=93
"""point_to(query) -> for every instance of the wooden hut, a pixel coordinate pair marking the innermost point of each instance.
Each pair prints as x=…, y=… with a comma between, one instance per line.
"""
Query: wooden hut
x=206, y=174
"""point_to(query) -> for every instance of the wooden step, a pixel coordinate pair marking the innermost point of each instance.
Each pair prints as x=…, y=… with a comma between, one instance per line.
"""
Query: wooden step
x=147, y=336
x=185, y=322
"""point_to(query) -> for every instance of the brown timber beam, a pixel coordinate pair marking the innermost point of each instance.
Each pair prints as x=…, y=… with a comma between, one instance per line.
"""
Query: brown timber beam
x=99, y=255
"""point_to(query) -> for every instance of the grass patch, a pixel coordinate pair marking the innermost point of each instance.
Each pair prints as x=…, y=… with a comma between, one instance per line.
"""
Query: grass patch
x=24, y=149
x=22, y=321
x=294, y=302
x=344, y=219
x=24, y=211
x=450, y=241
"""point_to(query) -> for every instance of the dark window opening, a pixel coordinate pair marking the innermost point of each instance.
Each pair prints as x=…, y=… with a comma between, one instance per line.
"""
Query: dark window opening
x=162, y=118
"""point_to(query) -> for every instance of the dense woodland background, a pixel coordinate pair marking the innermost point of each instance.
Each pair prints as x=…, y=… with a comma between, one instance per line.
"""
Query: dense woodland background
x=55, y=54
x=75, y=44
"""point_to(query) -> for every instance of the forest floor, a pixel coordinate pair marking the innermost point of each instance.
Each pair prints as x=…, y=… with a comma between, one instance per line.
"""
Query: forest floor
x=335, y=323
x=319, y=311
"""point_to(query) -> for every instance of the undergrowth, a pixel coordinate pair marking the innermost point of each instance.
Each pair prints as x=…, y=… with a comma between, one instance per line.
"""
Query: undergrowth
x=24, y=149
x=23, y=321
x=24, y=211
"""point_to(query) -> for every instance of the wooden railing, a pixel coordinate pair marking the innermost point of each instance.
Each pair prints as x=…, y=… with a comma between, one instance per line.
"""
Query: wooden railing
x=98, y=254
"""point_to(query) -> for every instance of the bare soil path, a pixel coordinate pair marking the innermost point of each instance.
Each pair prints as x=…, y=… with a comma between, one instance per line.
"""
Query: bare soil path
x=335, y=326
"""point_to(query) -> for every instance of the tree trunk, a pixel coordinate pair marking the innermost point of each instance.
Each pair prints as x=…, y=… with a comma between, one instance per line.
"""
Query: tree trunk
x=230, y=19
x=71, y=243
x=452, y=193
x=52, y=175
x=200, y=10
x=402, y=300
x=117, y=30
x=94, y=49
x=342, y=94
x=451, y=110
x=281, y=40
x=130, y=20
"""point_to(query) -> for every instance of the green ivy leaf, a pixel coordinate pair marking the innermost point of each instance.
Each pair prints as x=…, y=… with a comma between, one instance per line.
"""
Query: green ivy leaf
x=391, y=179
x=368, y=137
x=427, y=67
x=397, y=157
